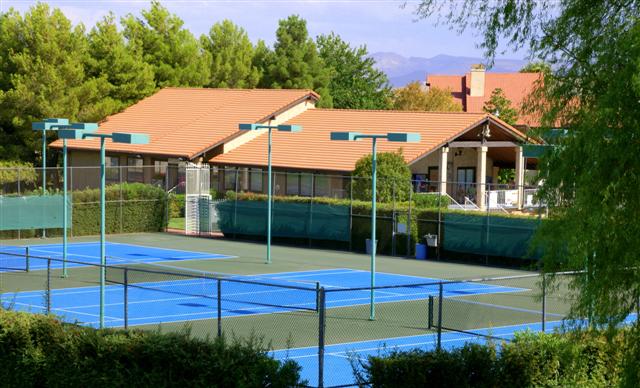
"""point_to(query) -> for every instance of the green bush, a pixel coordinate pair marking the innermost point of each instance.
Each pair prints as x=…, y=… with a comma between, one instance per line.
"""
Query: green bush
x=40, y=351
x=581, y=358
x=142, y=209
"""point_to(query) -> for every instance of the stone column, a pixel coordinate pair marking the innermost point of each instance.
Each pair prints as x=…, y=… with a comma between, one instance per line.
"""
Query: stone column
x=481, y=176
x=442, y=170
x=520, y=167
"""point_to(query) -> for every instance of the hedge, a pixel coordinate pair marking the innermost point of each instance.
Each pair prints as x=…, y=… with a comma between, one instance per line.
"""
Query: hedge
x=582, y=358
x=130, y=207
x=40, y=351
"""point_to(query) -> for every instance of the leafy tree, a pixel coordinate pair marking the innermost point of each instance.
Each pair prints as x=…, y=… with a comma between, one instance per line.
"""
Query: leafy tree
x=392, y=173
x=500, y=106
x=536, y=67
x=414, y=97
x=355, y=82
x=42, y=74
x=590, y=179
x=231, y=54
x=173, y=52
x=295, y=63
x=120, y=66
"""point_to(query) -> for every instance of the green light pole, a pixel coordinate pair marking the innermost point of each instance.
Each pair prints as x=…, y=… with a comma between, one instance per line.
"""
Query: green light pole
x=282, y=128
x=56, y=124
x=116, y=137
x=44, y=126
x=395, y=137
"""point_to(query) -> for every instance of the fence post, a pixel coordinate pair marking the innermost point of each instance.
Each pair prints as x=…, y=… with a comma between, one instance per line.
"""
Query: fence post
x=350, y=212
x=321, y=328
x=19, y=178
x=430, y=313
x=544, y=301
x=309, y=228
x=126, y=298
x=317, y=297
x=48, y=302
x=219, y=307
x=27, y=261
x=440, y=292
x=439, y=238
x=409, y=222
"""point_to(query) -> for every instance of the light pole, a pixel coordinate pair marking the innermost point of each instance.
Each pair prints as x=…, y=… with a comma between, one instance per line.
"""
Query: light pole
x=116, y=137
x=43, y=127
x=57, y=125
x=283, y=128
x=395, y=137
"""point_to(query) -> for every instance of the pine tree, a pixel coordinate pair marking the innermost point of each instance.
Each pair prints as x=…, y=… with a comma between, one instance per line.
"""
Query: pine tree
x=295, y=63
x=42, y=74
x=120, y=65
x=173, y=52
x=231, y=57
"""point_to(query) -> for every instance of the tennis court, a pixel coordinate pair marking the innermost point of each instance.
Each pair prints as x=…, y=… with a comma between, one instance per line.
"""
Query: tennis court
x=184, y=299
x=338, y=357
x=12, y=257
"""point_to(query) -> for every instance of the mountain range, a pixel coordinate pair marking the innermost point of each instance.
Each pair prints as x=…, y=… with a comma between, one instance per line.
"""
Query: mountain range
x=402, y=70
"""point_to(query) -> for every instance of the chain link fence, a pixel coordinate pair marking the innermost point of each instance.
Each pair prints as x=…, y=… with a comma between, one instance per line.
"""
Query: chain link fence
x=327, y=328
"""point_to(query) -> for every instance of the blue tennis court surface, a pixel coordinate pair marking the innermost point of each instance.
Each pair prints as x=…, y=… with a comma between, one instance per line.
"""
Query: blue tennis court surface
x=337, y=365
x=89, y=253
x=193, y=299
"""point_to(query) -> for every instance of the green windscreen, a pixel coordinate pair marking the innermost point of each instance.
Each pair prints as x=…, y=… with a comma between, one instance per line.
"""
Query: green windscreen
x=298, y=220
x=32, y=212
x=495, y=236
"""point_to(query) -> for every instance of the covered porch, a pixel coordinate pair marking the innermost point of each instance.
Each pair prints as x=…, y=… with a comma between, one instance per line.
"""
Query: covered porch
x=484, y=168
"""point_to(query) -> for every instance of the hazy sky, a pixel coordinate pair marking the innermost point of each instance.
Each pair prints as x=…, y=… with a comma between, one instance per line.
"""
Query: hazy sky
x=380, y=24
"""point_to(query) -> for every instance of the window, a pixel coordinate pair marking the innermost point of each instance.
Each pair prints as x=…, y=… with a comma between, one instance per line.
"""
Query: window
x=293, y=184
x=230, y=179
x=135, y=171
x=322, y=186
x=112, y=171
x=255, y=180
x=159, y=172
x=434, y=179
x=465, y=183
x=306, y=184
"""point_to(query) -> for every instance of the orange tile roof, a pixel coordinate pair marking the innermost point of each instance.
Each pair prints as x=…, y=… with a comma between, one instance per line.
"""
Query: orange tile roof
x=516, y=87
x=187, y=121
x=312, y=149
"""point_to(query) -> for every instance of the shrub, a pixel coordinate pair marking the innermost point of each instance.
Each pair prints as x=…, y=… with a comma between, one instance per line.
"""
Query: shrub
x=393, y=173
x=130, y=207
x=580, y=358
x=37, y=350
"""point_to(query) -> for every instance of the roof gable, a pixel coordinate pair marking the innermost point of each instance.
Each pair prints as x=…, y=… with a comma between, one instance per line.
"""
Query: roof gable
x=186, y=121
x=312, y=149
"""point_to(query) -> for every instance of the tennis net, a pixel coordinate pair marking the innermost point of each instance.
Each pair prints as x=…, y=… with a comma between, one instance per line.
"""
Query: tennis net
x=507, y=305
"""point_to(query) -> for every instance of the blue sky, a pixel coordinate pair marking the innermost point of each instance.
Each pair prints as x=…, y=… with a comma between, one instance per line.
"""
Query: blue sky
x=380, y=24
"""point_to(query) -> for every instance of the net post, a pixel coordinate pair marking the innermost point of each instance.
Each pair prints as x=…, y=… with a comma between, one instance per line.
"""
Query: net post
x=321, y=329
x=48, y=302
x=440, y=292
x=430, y=313
x=544, y=301
x=27, y=261
x=126, y=298
x=219, y=318
x=317, y=297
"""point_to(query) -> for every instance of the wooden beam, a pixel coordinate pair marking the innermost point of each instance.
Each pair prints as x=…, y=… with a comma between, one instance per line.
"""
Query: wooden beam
x=475, y=144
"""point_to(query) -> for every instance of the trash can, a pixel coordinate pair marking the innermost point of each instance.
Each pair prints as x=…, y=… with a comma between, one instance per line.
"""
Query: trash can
x=421, y=252
x=368, y=247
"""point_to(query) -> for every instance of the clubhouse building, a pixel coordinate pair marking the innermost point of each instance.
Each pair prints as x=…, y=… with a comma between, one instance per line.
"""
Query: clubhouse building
x=460, y=154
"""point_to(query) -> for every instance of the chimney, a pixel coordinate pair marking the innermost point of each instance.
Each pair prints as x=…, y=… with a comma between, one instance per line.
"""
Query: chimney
x=477, y=80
